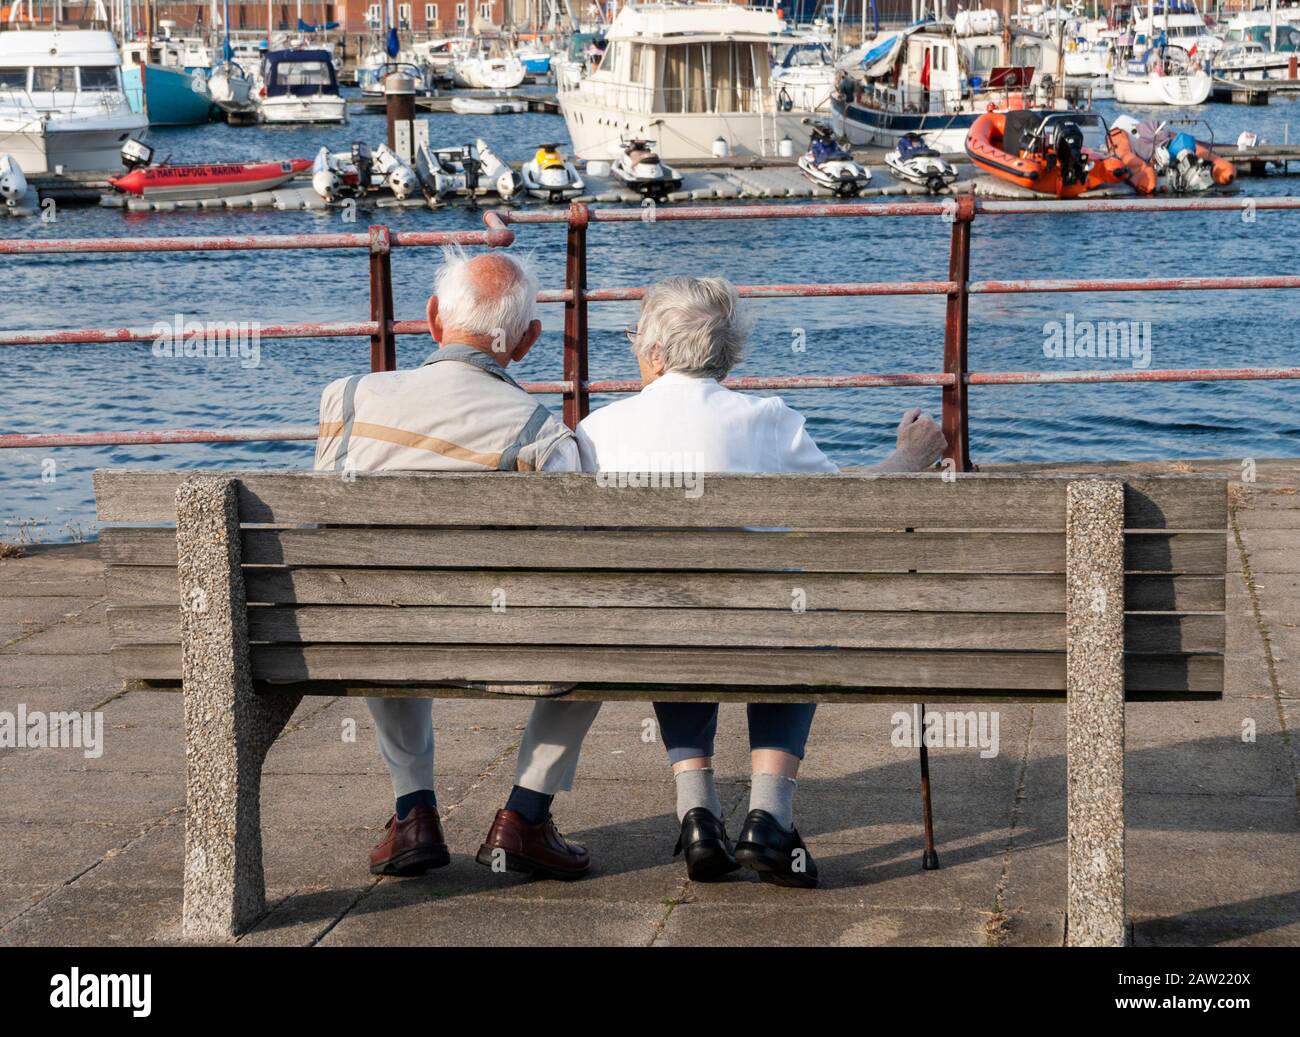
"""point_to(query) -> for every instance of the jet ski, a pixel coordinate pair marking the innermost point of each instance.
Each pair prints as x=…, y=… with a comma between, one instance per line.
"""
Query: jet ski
x=343, y=174
x=916, y=162
x=550, y=176
x=828, y=165
x=645, y=172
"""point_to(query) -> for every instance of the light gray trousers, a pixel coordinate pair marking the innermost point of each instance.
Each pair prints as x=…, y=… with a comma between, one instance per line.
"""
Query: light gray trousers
x=548, y=755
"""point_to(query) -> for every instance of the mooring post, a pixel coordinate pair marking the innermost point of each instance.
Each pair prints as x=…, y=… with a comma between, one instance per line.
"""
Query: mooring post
x=576, y=400
x=1094, y=713
x=383, y=343
x=399, y=106
x=955, y=422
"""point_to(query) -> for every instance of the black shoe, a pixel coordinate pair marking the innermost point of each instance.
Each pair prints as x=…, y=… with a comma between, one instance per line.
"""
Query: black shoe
x=708, y=850
x=779, y=856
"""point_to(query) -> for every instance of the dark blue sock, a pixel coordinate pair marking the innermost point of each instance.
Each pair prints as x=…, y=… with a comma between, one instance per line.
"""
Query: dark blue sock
x=533, y=807
x=422, y=798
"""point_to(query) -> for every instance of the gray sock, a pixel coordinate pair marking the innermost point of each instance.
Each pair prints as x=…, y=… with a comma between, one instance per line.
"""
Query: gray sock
x=695, y=788
x=775, y=794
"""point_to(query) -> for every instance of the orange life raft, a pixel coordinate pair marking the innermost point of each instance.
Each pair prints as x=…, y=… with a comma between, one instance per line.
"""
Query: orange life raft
x=1015, y=146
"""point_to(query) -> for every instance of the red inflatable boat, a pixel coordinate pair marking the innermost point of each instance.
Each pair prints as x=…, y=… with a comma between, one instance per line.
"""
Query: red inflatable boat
x=219, y=180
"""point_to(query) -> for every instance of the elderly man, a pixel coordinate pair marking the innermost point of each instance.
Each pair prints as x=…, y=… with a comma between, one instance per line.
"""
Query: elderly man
x=461, y=411
x=690, y=335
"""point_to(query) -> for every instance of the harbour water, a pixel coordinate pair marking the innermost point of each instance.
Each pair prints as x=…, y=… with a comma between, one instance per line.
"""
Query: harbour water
x=47, y=495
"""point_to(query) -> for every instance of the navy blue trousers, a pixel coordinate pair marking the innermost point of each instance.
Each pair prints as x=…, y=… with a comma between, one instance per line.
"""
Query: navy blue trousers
x=688, y=728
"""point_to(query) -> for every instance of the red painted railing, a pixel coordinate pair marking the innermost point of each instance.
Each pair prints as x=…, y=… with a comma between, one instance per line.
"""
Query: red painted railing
x=955, y=379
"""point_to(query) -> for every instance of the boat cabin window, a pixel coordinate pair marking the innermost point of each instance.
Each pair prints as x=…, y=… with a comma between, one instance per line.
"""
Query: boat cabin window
x=99, y=79
x=713, y=77
x=13, y=79
x=302, y=73
x=1027, y=54
x=54, y=80
x=985, y=58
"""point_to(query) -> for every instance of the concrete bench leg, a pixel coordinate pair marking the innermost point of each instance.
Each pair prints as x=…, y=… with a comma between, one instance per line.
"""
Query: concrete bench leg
x=1095, y=712
x=228, y=728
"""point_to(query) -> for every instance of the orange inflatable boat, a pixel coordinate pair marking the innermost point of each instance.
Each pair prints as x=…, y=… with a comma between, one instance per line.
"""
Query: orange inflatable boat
x=1043, y=150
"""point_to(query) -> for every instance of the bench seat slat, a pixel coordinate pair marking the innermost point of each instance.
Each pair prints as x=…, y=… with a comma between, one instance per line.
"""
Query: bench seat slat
x=847, y=668
x=156, y=585
x=839, y=502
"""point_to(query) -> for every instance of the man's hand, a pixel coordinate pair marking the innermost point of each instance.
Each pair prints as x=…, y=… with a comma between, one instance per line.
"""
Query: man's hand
x=919, y=440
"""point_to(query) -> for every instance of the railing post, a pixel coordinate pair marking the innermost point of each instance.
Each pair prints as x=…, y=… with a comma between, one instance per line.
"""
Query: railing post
x=383, y=344
x=576, y=400
x=955, y=423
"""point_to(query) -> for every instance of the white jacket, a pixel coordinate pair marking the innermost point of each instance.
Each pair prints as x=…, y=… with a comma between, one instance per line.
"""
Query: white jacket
x=686, y=424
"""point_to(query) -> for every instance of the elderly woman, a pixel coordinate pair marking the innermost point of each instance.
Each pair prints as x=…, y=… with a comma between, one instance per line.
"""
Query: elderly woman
x=689, y=336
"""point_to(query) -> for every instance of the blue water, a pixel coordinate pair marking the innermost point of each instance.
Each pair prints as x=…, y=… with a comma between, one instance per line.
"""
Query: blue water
x=101, y=387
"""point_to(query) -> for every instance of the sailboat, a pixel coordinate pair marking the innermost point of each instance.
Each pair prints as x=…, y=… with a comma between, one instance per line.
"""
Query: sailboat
x=1161, y=74
x=382, y=61
x=158, y=85
x=228, y=83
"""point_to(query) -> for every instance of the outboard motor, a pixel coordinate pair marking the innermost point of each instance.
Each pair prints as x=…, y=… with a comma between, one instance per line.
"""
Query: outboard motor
x=136, y=154
x=1188, y=173
x=470, y=164
x=1066, y=141
x=364, y=163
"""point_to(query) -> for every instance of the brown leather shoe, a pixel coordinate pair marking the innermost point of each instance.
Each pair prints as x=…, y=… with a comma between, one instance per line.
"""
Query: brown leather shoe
x=533, y=849
x=412, y=846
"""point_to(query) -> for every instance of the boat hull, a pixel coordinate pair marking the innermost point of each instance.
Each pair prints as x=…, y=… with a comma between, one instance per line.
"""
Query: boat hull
x=168, y=96
x=75, y=145
x=944, y=131
x=194, y=183
x=596, y=131
x=1178, y=91
x=286, y=111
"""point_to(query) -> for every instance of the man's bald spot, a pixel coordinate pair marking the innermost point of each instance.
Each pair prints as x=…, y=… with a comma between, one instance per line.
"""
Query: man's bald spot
x=491, y=274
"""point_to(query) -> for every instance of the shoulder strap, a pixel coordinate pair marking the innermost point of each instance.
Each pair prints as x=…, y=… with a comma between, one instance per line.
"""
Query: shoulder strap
x=510, y=455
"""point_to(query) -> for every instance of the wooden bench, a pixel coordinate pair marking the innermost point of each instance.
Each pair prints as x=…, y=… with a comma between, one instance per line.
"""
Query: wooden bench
x=1082, y=590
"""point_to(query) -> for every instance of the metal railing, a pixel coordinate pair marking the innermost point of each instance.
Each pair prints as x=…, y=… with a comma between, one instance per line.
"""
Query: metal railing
x=955, y=379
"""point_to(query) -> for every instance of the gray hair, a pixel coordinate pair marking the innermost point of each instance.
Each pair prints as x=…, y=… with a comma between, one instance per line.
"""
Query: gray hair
x=696, y=324
x=463, y=304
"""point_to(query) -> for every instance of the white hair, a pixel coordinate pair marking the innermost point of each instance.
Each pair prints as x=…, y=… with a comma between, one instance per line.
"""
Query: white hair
x=695, y=323
x=463, y=305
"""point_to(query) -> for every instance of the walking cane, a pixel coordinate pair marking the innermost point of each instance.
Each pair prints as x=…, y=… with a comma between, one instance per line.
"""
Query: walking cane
x=929, y=859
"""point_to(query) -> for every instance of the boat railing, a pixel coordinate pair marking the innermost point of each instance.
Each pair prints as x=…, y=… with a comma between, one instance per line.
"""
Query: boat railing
x=953, y=376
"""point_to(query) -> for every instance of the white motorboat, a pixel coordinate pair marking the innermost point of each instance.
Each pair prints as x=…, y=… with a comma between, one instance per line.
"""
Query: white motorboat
x=489, y=65
x=805, y=78
x=62, y=106
x=299, y=86
x=1162, y=76
x=692, y=78
x=486, y=106
x=467, y=171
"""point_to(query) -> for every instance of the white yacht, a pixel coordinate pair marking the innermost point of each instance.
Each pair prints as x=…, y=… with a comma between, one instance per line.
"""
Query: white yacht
x=1162, y=76
x=690, y=79
x=62, y=106
x=805, y=77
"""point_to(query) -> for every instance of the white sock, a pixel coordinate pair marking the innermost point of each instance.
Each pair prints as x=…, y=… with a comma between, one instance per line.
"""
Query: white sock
x=775, y=794
x=695, y=788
